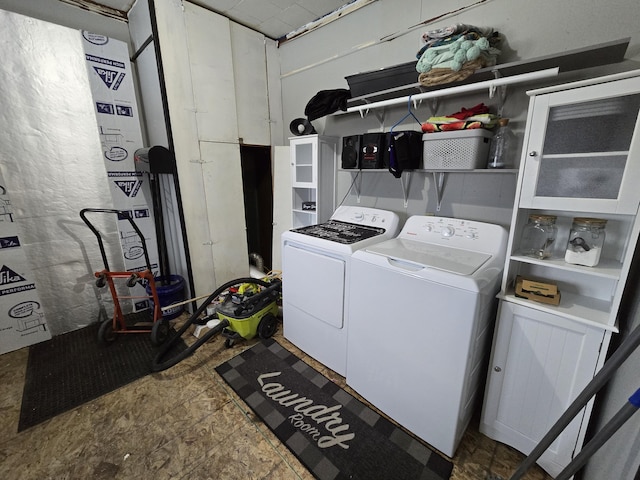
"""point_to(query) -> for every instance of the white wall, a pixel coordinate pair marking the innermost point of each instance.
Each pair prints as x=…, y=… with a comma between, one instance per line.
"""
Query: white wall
x=321, y=59
x=355, y=43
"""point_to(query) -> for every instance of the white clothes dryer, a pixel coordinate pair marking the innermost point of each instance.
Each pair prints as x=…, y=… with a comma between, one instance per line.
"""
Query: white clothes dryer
x=421, y=310
x=315, y=278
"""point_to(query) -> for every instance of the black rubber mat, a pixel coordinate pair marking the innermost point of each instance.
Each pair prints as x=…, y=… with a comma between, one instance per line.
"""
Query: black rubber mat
x=331, y=432
x=73, y=368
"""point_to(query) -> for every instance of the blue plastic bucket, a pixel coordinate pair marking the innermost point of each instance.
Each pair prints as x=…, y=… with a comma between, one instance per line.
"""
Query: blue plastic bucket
x=169, y=294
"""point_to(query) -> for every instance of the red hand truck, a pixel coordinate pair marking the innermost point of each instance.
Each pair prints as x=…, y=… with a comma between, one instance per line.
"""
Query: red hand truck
x=145, y=321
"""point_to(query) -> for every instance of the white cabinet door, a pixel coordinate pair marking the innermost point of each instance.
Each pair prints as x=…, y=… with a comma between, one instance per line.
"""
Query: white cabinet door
x=304, y=161
x=581, y=152
x=281, y=201
x=539, y=364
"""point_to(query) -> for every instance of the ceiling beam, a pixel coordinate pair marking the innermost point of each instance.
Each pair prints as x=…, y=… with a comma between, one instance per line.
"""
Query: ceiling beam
x=95, y=7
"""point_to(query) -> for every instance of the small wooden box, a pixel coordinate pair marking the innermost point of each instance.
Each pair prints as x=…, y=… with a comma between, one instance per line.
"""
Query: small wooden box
x=537, y=290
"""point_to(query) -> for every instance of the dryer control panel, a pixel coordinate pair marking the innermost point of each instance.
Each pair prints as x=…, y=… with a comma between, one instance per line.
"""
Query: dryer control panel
x=371, y=217
x=455, y=232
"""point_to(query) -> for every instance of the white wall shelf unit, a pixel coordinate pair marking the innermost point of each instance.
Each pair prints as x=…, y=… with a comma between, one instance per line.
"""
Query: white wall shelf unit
x=581, y=158
x=313, y=166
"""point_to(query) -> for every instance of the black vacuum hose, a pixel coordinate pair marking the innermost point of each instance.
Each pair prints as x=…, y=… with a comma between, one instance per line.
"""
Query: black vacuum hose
x=157, y=365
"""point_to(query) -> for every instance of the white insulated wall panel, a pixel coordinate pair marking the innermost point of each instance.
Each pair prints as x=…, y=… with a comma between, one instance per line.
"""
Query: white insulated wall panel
x=52, y=167
x=250, y=74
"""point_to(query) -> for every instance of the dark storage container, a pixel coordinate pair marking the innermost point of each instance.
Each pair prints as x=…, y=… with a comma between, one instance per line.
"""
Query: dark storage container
x=382, y=79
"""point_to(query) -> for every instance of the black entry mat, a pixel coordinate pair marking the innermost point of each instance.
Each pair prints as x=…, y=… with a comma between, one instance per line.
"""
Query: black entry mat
x=331, y=432
x=73, y=368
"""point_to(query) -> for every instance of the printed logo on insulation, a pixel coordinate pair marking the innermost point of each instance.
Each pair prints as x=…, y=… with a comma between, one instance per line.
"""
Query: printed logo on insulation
x=104, y=61
x=95, y=38
x=124, y=111
x=131, y=245
x=9, y=242
x=8, y=276
x=116, y=154
x=129, y=187
x=105, y=108
x=111, y=78
x=24, y=309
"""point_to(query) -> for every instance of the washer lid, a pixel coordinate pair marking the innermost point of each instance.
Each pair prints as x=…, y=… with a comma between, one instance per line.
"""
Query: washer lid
x=429, y=255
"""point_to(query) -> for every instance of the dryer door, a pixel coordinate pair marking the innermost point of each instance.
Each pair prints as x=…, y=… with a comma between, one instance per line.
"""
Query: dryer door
x=314, y=283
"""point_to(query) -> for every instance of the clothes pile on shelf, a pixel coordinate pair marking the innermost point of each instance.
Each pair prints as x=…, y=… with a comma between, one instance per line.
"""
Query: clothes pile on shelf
x=477, y=116
x=453, y=53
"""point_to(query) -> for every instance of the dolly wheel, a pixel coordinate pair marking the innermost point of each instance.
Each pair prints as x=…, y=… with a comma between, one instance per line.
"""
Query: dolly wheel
x=106, y=335
x=159, y=332
x=267, y=326
x=132, y=280
x=228, y=342
x=101, y=281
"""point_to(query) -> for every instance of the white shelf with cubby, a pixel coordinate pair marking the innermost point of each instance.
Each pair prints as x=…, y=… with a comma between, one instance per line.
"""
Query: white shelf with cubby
x=313, y=169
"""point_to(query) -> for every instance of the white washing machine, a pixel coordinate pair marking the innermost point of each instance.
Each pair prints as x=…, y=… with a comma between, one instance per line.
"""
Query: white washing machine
x=315, y=277
x=421, y=311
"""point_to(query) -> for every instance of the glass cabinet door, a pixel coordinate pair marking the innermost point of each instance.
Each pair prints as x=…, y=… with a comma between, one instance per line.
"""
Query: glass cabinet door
x=304, y=167
x=586, y=156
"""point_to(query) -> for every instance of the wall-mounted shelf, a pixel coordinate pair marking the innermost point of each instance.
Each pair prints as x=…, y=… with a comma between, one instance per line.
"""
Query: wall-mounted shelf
x=592, y=56
x=490, y=85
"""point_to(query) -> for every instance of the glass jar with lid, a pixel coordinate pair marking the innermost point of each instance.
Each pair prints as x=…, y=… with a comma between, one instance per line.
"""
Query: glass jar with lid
x=538, y=236
x=585, y=241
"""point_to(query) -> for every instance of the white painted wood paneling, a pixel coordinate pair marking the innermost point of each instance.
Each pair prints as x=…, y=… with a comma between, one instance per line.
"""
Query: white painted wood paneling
x=211, y=68
x=250, y=74
x=139, y=23
x=277, y=124
x=282, y=203
x=540, y=363
x=172, y=37
x=152, y=111
x=222, y=176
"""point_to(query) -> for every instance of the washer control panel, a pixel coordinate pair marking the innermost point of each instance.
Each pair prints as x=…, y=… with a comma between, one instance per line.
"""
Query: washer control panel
x=454, y=232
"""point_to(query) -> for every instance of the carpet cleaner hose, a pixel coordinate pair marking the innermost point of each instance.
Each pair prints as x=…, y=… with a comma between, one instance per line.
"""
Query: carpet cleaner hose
x=157, y=365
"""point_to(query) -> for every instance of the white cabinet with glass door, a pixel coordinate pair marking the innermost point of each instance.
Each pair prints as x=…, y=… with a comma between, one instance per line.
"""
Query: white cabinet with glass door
x=581, y=159
x=313, y=167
